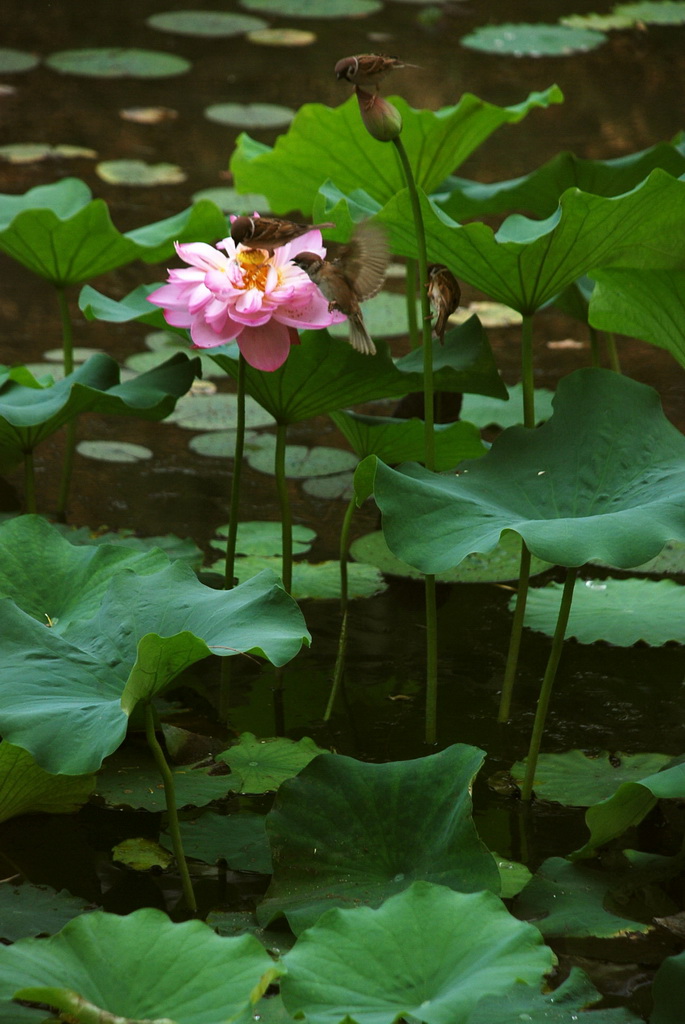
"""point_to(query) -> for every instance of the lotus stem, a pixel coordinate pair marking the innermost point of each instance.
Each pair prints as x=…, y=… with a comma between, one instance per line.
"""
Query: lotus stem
x=339, y=669
x=286, y=515
x=172, y=812
x=29, y=482
x=410, y=287
x=232, y=536
x=614, y=361
x=70, y=431
x=527, y=380
x=429, y=438
x=594, y=347
x=548, y=683
x=516, y=633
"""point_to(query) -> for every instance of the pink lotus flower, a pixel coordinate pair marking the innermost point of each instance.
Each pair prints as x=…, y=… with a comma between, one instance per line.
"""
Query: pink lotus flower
x=258, y=298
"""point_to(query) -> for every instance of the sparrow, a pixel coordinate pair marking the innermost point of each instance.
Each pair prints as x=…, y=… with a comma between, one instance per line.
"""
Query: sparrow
x=356, y=274
x=268, y=233
x=444, y=294
x=367, y=70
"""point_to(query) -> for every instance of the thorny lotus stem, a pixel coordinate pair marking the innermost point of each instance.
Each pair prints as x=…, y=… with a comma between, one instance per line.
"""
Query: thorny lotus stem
x=429, y=436
x=70, y=431
x=172, y=813
x=516, y=633
x=339, y=669
x=547, y=684
x=29, y=482
x=286, y=516
x=232, y=536
x=410, y=286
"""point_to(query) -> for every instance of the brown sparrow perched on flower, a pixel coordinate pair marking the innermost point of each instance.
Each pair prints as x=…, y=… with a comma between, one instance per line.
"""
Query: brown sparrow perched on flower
x=268, y=232
x=367, y=70
x=444, y=294
x=356, y=274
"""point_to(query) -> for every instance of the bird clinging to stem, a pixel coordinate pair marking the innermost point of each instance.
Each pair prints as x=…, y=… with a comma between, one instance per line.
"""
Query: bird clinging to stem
x=444, y=294
x=354, y=275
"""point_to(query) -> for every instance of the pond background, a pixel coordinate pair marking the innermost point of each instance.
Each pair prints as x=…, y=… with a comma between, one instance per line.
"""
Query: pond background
x=622, y=97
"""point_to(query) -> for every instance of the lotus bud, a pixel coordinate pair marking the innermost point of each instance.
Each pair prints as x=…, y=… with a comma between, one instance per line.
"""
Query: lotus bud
x=381, y=119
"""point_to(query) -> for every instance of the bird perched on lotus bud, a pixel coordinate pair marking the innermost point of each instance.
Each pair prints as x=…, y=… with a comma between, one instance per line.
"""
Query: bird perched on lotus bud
x=356, y=274
x=269, y=233
x=444, y=294
x=367, y=70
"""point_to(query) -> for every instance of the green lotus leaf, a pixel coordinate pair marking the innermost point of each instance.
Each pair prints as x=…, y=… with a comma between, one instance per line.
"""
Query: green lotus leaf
x=141, y=854
x=229, y=200
x=301, y=462
x=322, y=374
x=579, y=779
x=114, y=451
x=117, y=62
x=215, y=24
x=134, y=306
x=261, y=766
x=28, y=909
x=325, y=143
x=667, y=990
x=538, y=193
x=174, y=547
x=139, y=173
x=621, y=612
x=314, y=8
x=61, y=583
x=30, y=414
x=533, y=40
x=527, y=262
x=654, y=12
x=645, y=304
x=598, y=22
x=180, y=971
x=26, y=789
x=501, y=564
x=385, y=316
x=60, y=233
x=346, y=833
x=669, y=561
x=631, y=802
x=217, y=412
x=250, y=115
x=562, y=487
x=12, y=61
x=130, y=778
x=316, y=581
x=265, y=538
x=74, y=713
x=428, y=953
x=395, y=440
x=564, y=1004
x=565, y=899
x=486, y=412
x=238, y=839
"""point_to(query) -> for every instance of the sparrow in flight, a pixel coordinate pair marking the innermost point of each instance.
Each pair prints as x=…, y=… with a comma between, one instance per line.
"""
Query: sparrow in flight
x=354, y=275
x=444, y=294
x=269, y=232
x=367, y=70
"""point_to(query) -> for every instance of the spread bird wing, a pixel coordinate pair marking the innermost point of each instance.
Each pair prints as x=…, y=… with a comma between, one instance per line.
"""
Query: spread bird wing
x=364, y=260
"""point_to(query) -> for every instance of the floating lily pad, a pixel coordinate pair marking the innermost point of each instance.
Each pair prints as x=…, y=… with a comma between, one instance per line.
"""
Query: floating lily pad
x=598, y=22
x=79, y=355
x=314, y=8
x=668, y=990
x=332, y=488
x=229, y=200
x=621, y=612
x=660, y=12
x=148, y=115
x=490, y=314
x=250, y=115
x=301, y=462
x=264, y=538
x=501, y=564
x=220, y=444
x=532, y=40
x=36, y=910
x=12, y=61
x=130, y=778
x=118, y=62
x=385, y=316
x=173, y=547
x=427, y=954
x=319, y=581
x=262, y=765
x=137, y=172
x=238, y=839
x=485, y=412
x=526, y=1003
x=276, y=940
x=217, y=412
x=113, y=451
x=214, y=24
x=141, y=362
x=26, y=789
x=281, y=37
x=579, y=779
x=141, y=854
x=33, y=152
x=567, y=899
x=513, y=876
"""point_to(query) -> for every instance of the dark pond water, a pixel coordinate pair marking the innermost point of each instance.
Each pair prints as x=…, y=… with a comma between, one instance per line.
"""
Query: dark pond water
x=622, y=97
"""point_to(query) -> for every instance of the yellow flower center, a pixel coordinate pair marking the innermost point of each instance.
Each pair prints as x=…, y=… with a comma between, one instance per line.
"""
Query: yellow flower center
x=254, y=264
